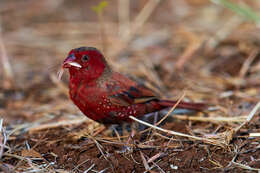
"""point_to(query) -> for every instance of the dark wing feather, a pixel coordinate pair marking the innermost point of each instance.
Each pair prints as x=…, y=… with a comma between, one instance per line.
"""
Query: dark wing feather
x=127, y=97
x=128, y=92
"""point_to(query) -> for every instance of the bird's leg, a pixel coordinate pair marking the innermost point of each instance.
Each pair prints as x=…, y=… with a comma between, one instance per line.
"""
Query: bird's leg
x=156, y=116
x=117, y=130
x=146, y=118
x=128, y=127
x=151, y=118
x=132, y=134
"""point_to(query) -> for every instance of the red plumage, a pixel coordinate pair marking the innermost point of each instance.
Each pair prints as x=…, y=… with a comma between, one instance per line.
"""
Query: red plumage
x=107, y=96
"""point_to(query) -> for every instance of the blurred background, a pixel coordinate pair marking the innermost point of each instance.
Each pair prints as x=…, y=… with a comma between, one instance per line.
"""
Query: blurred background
x=208, y=49
x=36, y=36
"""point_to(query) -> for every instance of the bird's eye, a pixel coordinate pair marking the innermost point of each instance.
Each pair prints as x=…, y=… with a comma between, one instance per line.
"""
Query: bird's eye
x=85, y=58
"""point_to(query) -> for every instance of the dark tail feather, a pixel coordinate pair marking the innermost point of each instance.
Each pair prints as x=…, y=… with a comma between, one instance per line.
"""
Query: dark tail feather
x=184, y=105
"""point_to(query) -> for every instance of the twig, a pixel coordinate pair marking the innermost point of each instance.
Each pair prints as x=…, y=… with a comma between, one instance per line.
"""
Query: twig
x=249, y=117
x=7, y=70
x=246, y=167
x=171, y=110
x=214, y=142
x=247, y=63
x=103, y=171
x=254, y=134
x=194, y=44
x=59, y=83
x=1, y=139
x=99, y=146
x=223, y=32
x=57, y=124
x=155, y=157
x=211, y=119
x=146, y=166
x=233, y=161
x=161, y=170
x=30, y=163
x=139, y=21
x=89, y=169
x=142, y=18
x=15, y=156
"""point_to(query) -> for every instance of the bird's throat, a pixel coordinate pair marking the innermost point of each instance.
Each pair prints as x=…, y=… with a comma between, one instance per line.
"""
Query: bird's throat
x=90, y=75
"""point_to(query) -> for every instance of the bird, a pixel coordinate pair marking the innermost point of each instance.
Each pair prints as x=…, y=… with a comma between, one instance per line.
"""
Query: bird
x=107, y=96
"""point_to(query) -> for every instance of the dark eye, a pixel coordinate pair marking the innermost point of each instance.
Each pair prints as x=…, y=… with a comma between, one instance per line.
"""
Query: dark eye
x=85, y=58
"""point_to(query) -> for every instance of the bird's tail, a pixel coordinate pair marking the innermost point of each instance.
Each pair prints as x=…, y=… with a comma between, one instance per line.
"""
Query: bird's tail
x=183, y=105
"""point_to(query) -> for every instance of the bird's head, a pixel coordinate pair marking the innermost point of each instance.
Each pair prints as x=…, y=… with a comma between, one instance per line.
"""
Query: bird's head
x=85, y=63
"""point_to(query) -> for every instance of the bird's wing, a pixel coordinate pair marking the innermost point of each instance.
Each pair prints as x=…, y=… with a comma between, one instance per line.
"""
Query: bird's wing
x=124, y=92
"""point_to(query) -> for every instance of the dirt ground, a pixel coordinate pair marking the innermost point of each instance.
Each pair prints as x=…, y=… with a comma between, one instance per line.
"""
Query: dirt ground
x=206, y=51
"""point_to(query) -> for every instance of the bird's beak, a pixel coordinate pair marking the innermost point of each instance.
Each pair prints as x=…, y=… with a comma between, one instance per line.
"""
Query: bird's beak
x=70, y=61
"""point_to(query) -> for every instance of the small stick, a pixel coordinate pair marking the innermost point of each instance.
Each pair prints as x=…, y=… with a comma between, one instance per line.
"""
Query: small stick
x=1, y=139
x=147, y=167
x=57, y=124
x=156, y=156
x=211, y=119
x=142, y=18
x=214, y=142
x=245, y=67
x=254, y=134
x=7, y=70
x=194, y=44
x=171, y=110
x=223, y=32
x=249, y=117
x=139, y=21
x=90, y=168
x=57, y=81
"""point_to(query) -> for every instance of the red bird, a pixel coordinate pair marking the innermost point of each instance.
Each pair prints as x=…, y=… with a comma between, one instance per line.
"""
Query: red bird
x=109, y=97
